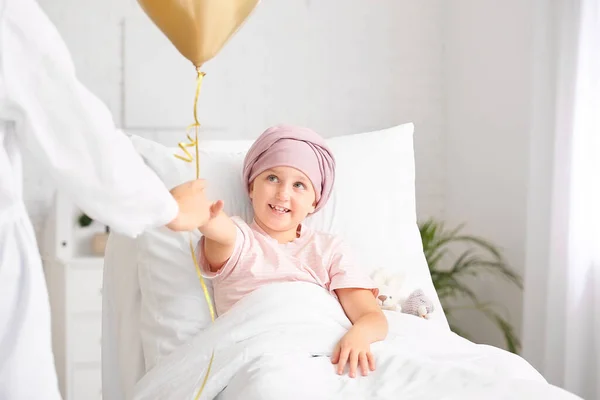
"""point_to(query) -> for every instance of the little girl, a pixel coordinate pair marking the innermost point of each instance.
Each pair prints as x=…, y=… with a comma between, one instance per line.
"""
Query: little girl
x=289, y=173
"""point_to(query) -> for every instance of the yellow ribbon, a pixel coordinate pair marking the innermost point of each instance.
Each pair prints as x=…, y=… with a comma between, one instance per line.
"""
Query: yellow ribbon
x=188, y=158
x=212, y=316
x=193, y=142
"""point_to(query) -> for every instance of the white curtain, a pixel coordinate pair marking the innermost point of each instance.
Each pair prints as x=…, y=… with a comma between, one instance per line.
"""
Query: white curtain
x=561, y=335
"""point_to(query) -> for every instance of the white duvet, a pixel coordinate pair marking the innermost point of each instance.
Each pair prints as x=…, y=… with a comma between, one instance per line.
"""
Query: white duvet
x=276, y=343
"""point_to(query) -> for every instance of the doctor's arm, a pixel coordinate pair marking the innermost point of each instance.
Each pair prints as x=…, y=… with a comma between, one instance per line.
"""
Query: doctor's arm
x=70, y=133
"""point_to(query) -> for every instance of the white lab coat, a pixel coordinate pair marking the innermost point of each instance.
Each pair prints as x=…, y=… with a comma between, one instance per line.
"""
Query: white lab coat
x=49, y=117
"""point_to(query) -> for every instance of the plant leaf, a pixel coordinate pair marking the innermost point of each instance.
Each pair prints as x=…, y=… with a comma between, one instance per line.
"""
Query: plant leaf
x=434, y=259
x=480, y=257
x=84, y=220
x=476, y=266
x=465, y=259
x=512, y=341
x=481, y=243
x=459, y=331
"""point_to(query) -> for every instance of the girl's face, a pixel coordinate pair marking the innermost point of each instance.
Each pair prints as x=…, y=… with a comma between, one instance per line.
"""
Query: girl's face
x=282, y=197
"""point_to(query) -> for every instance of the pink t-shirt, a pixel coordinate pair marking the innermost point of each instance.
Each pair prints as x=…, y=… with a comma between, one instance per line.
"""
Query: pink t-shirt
x=258, y=259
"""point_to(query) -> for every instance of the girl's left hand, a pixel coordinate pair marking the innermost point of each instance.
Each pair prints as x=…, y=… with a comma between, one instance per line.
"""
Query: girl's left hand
x=355, y=350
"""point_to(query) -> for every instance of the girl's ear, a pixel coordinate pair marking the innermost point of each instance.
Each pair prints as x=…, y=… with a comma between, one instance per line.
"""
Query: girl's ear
x=251, y=190
x=314, y=206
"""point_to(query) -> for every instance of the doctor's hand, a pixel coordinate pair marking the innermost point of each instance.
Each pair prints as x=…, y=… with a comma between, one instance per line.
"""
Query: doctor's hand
x=194, y=208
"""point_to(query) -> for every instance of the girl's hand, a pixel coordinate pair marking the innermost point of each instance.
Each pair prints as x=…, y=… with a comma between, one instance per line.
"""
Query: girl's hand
x=194, y=208
x=354, y=349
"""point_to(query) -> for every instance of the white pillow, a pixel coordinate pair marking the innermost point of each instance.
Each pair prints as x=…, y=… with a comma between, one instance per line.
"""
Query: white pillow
x=372, y=206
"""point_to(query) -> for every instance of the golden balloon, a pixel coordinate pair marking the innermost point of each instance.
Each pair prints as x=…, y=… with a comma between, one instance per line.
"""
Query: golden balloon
x=198, y=28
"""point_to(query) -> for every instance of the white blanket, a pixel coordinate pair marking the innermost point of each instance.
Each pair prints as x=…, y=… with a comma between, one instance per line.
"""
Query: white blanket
x=276, y=343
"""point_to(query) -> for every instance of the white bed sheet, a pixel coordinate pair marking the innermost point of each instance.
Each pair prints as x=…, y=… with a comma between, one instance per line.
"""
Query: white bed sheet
x=122, y=354
x=276, y=343
x=265, y=348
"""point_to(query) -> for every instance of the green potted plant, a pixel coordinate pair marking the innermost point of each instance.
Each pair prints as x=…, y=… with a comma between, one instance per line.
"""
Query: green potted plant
x=448, y=272
x=99, y=239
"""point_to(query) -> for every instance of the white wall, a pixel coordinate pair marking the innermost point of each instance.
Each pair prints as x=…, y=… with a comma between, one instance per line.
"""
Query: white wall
x=487, y=75
x=541, y=168
x=460, y=70
x=336, y=69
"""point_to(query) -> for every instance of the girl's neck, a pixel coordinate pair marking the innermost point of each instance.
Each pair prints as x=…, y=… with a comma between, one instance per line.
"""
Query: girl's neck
x=281, y=237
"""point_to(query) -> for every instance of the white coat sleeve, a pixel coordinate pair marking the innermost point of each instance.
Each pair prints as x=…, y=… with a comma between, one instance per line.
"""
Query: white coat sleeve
x=68, y=131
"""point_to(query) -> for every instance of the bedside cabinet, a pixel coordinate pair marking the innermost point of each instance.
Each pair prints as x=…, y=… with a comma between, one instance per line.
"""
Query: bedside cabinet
x=75, y=291
x=74, y=276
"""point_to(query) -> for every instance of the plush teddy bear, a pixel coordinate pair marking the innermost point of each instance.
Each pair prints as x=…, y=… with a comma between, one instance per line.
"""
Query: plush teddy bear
x=418, y=304
x=397, y=293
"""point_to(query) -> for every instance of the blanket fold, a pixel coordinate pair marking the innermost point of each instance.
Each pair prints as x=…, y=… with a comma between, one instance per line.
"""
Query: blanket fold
x=276, y=343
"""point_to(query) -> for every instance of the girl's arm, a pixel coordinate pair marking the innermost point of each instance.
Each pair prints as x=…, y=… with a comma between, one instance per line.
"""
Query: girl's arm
x=361, y=308
x=219, y=237
x=369, y=325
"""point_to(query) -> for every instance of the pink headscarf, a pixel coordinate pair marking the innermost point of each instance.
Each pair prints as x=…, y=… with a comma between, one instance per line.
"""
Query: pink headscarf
x=296, y=147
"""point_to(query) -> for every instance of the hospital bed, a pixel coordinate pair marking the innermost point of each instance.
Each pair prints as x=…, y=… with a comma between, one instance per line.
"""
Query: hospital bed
x=275, y=344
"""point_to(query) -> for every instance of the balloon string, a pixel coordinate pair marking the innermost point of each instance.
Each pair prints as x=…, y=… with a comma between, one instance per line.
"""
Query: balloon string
x=193, y=142
x=204, y=288
x=212, y=317
x=188, y=158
